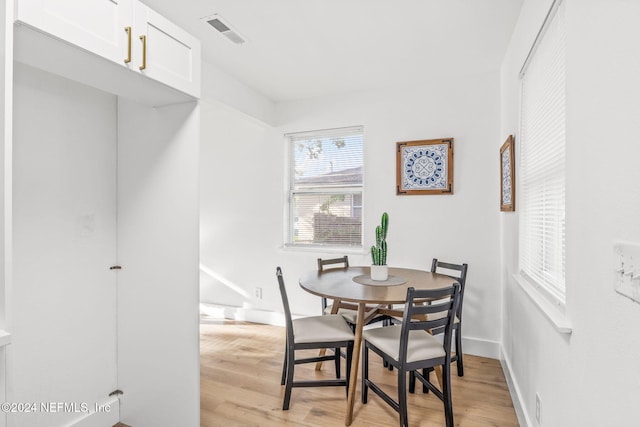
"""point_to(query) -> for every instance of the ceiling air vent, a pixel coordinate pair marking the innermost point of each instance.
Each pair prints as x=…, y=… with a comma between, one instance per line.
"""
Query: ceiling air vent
x=217, y=22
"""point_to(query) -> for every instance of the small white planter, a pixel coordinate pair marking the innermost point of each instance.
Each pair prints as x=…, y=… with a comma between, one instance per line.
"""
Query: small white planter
x=379, y=272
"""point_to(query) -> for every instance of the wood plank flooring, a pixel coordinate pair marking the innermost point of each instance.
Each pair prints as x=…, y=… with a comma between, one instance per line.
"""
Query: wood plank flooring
x=240, y=386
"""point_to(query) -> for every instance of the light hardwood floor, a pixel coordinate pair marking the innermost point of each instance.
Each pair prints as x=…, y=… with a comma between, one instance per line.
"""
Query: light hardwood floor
x=241, y=365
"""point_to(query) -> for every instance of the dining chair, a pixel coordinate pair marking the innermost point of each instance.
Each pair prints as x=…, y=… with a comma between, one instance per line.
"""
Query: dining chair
x=315, y=332
x=458, y=272
x=349, y=315
x=342, y=262
x=410, y=347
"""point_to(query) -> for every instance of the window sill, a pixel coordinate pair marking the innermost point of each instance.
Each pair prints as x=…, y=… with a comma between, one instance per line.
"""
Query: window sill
x=557, y=318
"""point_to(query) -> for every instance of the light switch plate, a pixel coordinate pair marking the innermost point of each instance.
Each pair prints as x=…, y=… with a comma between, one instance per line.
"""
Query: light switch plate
x=626, y=267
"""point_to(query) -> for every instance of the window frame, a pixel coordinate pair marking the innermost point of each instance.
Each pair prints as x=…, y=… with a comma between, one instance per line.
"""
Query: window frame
x=553, y=294
x=337, y=189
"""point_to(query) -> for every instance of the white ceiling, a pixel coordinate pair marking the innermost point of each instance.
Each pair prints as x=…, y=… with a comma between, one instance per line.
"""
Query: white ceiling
x=299, y=49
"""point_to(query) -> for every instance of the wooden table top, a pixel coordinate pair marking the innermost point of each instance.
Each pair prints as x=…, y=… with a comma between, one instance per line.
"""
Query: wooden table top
x=338, y=283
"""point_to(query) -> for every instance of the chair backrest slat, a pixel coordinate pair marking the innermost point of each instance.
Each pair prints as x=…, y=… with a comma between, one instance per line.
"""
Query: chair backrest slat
x=432, y=307
x=324, y=262
x=428, y=324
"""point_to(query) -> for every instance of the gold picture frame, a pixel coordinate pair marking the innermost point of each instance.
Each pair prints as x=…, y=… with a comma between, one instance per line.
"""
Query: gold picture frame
x=424, y=167
x=507, y=176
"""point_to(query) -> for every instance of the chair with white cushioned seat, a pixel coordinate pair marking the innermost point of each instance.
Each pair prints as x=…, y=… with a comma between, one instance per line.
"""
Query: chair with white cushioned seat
x=316, y=332
x=461, y=277
x=458, y=272
x=410, y=347
x=349, y=315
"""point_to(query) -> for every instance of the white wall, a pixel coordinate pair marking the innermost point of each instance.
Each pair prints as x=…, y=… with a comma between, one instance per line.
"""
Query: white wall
x=218, y=86
x=240, y=208
x=6, y=139
x=239, y=180
x=243, y=194
x=591, y=377
x=6, y=136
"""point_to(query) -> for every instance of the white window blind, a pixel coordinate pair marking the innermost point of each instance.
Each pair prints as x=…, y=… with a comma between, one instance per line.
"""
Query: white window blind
x=542, y=159
x=325, y=187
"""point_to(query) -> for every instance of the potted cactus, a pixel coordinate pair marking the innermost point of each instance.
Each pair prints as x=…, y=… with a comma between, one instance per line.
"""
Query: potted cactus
x=379, y=268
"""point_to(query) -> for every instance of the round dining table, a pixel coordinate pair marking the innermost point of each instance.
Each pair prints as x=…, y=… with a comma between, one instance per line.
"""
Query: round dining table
x=352, y=286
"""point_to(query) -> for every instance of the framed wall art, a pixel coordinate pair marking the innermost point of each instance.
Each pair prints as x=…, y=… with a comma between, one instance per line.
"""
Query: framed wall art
x=424, y=167
x=507, y=176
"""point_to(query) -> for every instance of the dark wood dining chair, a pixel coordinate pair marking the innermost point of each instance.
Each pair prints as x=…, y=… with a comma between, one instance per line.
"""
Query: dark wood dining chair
x=342, y=262
x=349, y=315
x=410, y=347
x=458, y=272
x=315, y=332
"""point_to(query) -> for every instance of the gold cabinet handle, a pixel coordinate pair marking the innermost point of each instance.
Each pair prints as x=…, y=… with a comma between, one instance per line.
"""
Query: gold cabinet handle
x=144, y=52
x=128, y=31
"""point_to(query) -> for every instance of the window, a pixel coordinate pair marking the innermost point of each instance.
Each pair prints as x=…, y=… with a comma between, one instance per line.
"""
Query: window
x=325, y=187
x=542, y=159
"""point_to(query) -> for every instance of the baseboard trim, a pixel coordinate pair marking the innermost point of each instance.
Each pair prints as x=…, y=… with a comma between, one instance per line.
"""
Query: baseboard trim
x=480, y=347
x=100, y=418
x=514, y=390
x=211, y=313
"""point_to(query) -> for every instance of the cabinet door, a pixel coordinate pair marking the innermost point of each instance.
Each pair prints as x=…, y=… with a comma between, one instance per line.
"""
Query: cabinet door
x=172, y=54
x=158, y=368
x=63, y=298
x=95, y=25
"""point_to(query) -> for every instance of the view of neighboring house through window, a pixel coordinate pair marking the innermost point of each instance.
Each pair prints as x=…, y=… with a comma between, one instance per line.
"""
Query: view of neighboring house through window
x=542, y=160
x=325, y=187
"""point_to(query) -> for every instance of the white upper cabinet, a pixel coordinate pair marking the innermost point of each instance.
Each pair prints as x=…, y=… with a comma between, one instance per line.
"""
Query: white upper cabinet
x=166, y=52
x=97, y=26
x=125, y=32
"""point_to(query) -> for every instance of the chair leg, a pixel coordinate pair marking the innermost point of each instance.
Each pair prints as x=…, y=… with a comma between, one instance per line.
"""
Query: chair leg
x=425, y=374
x=365, y=373
x=385, y=364
x=412, y=381
x=349, y=358
x=289, y=381
x=284, y=366
x=336, y=361
x=459, y=364
x=402, y=398
x=446, y=392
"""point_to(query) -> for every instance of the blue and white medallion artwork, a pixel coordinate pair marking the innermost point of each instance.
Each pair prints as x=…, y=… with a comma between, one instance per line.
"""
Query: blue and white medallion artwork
x=506, y=176
x=424, y=167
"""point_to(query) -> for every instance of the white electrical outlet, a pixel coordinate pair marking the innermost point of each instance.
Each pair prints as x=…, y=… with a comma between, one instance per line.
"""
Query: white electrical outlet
x=538, y=408
x=258, y=292
x=626, y=269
